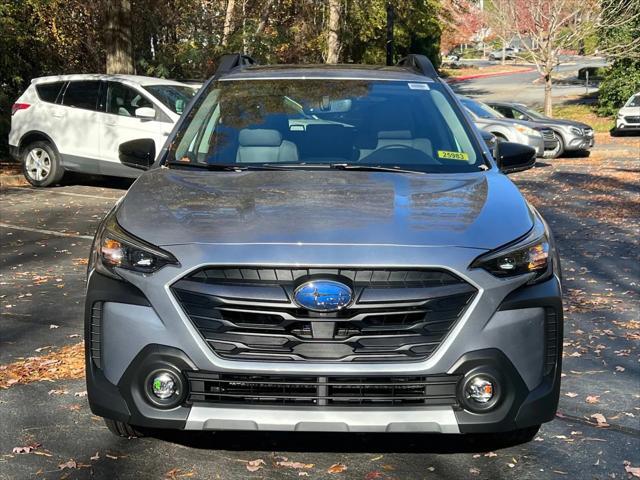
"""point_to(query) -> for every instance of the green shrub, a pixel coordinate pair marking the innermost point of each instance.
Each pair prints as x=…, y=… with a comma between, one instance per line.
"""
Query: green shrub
x=620, y=82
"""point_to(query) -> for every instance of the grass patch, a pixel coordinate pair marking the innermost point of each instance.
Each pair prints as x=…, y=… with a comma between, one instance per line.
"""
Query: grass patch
x=586, y=114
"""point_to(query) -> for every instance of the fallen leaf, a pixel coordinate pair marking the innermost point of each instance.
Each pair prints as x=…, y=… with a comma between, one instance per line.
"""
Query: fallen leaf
x=490, y=454
x=52, y=326
x=571, y=394
x=635, y=471
x=619, y=368
x=296, y=465
x=80, y=394
x=70, y=464
x=57, y=392
x=96, y=456
x=474, y=471
x=337, y=468
x=600, y=420
x=255, y=465
x=372, y=475
x=303, y=474
x=26, y=449
x=593, y=398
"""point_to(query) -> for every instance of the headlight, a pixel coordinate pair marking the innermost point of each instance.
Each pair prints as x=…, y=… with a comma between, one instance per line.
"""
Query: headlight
x=114, y=248
x=528, y=131
x=532, y=254
x=576, y=131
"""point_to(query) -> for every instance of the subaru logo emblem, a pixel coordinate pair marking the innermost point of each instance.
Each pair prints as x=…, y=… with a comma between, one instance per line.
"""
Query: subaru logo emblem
x=323, y=296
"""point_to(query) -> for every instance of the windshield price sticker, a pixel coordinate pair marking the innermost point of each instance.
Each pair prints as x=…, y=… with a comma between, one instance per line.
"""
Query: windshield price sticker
x=453, y=155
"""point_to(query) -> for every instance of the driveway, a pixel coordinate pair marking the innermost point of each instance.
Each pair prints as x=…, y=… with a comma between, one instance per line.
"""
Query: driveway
x=592, y=204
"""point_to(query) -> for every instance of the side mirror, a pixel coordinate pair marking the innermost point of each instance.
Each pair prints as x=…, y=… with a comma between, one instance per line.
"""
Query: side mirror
x=515, y=157
x=138, y=154
x=146, y=113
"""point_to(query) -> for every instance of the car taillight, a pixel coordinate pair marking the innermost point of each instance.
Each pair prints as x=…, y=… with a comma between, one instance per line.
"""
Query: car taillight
x=19, y=106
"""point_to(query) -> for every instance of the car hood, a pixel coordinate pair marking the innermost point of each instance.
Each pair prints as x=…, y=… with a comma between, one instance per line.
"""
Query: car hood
x=561, y=123
x=478, y=210
x=629, y=111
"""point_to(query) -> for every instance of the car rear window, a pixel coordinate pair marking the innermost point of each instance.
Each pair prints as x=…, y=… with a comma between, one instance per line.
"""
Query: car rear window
x=82, y=94
x=48, y=92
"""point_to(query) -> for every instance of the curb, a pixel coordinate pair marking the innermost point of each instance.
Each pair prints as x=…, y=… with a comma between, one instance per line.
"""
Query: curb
x=491, y=74
x=13, y=181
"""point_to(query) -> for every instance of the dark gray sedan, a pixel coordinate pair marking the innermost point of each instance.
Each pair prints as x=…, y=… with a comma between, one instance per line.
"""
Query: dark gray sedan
x=572, y=135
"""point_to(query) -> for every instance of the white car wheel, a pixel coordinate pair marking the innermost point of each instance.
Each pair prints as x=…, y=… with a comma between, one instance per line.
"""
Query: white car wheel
x=38, y=164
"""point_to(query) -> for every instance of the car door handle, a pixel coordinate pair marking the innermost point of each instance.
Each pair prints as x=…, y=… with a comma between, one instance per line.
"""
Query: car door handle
x=58, y=114
x=110, y=121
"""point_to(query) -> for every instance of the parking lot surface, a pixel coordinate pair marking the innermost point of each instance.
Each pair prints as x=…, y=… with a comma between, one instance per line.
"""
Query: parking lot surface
x=47, y=430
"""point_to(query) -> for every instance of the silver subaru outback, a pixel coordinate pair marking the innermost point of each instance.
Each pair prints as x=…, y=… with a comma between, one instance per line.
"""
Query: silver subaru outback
x=324, y=248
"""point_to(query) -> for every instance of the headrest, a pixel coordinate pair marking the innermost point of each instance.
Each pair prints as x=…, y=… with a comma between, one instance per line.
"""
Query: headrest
x=119, y=101
x=259, y=137
x=395, y=134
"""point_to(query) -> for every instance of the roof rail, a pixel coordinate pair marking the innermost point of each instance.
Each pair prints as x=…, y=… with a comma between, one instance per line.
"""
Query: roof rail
x=419, y=63
x=233, y=60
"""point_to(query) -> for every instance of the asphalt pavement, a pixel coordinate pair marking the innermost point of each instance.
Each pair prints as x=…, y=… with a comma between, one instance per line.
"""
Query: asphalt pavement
x=592, y=205
x=526, y=87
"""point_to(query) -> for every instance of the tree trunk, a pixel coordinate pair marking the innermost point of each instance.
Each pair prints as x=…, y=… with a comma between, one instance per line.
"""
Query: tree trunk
x=390, y=41
x=548, y=105
x=118, y=37
x=333, y=39
x=504, y=54
x=228, y=22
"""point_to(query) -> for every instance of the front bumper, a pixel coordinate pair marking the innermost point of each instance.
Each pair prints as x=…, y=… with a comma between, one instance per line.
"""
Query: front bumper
x=514, y=342
x=14, y=151
x=574, y=142
x=536, y=142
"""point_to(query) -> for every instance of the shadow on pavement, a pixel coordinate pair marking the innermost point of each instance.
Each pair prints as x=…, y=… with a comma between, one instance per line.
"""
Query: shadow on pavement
x=331, y=442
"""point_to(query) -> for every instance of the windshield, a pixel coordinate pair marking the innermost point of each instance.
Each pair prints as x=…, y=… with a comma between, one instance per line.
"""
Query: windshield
x=634, y=101
x=306, y=123
x=480, y=109
x=175, y=97
x=533, y=114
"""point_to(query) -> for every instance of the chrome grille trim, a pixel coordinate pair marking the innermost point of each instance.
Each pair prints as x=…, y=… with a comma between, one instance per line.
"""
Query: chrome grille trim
x=398, y=315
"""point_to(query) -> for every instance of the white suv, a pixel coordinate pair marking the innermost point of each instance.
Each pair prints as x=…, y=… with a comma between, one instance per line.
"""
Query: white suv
x=76, y=122
x=628, y=118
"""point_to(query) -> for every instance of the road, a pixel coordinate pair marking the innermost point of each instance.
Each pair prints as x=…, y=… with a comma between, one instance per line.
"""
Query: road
x=525, y=87
x=590, y=203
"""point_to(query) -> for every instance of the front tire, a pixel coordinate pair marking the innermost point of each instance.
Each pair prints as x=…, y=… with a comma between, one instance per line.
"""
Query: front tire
x=560, y=151
x=122, y=429
x=41, y=164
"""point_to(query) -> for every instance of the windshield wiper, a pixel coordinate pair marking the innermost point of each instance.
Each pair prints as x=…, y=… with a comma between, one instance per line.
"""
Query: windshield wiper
x=227, y=167
x=372, y=168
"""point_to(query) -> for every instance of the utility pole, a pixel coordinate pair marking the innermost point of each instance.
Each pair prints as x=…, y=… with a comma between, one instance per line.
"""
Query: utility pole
x=389, y=34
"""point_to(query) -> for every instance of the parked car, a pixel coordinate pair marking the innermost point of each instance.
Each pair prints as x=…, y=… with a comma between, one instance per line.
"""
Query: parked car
x=508, y=130
x=76, y=122
x=508, y=54
x=628, y=118
x=371, y=271
x=571, y=135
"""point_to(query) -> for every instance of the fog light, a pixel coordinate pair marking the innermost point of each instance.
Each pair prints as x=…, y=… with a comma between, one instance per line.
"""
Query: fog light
x=164, y=385
x=480, y=390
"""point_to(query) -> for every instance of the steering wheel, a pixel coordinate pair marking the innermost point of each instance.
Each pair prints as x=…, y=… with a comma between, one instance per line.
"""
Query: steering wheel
x=386, y=155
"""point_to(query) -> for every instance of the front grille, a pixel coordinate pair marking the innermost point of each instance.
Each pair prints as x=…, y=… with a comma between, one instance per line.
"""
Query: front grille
x=322, y=391
x=96, y=333
x=249, y=314
x=632, y=119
